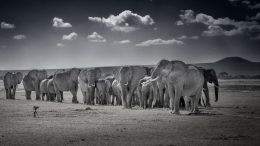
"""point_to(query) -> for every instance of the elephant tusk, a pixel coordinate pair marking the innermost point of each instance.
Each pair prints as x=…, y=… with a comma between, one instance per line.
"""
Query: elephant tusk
x=216, y=86
x=152, y=80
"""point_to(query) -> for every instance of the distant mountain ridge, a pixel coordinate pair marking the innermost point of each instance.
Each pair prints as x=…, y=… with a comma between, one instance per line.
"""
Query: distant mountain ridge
x=231, y=65
x=234, y=66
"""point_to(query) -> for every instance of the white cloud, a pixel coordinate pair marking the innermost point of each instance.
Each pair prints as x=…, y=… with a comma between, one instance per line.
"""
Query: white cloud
x=5, y=25
x=215, y=26
x=179, y=23
x=60, y=45
x=159, y=42
x=256, y=17
x=122, y=42
x=126, y=21
x=256, y=6
x=182, y=37
x=215, y=30
x=70, y=37
x=155, y=28
x=195, y=37
x=19, y=37
x=95, y=37
x=58, y=22
x=185, y=37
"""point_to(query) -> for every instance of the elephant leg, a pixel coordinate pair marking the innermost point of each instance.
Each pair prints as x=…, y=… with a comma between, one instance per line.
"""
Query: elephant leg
x=166, y=99
x=47, y=96
x=37, y=91
x=108, y=98
x=171, y=94
x=91, y=93
x=84, y=97
x=129, y=97
x=43, y=94
x=118, y=100
x=196, y=99
x=59, y=96
x=182, y=102
x=14, y=91
x=73, y=91
x=177, y=97
x=7, y=93
x=28, y=94
x=74, y=96
x=206, y=93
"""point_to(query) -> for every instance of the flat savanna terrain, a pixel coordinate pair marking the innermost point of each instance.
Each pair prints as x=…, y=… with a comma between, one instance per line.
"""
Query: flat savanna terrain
x=233, y=120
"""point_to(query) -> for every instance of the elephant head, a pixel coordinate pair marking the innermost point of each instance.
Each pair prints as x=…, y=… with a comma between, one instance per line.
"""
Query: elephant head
x=74, y=73
x=165, y=67
x=92, y=76
x=19, y=77
x=211, y=76
x=126, y=74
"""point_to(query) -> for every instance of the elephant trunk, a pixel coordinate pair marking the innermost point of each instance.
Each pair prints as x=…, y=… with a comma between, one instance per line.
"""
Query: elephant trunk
x=216, y=89
x=155, y=73
x=124, y=92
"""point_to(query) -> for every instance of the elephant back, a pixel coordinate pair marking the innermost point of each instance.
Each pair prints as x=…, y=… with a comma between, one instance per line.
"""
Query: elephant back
x=74, y=73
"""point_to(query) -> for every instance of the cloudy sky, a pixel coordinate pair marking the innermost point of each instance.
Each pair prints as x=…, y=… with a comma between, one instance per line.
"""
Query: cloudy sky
x=62, y=34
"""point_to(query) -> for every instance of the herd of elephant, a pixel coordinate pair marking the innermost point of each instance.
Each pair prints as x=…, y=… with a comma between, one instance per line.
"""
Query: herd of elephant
x=169, y=84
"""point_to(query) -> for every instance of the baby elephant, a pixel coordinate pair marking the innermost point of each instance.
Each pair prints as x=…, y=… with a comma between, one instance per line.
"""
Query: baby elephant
x=145, y=92
x=116, y=93
x=11, y=80
x=103, y=92
x=44, y=89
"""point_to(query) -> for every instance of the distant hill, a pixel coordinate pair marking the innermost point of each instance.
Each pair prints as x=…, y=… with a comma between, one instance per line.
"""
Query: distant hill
x=231, y=65
x=234, y=66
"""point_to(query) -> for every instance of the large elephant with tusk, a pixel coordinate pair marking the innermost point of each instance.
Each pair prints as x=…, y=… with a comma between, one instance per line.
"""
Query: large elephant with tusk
x=31, y=82
x=129, y=77
x=210, y=76
x=182, y=80
x=11, y=80
x=87, y=81
x=66, y=81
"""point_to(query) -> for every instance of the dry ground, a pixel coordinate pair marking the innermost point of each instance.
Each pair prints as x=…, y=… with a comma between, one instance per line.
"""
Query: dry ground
x=234, y=120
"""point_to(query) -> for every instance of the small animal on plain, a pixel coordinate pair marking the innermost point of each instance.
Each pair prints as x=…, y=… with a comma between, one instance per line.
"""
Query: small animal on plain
x=35, y=113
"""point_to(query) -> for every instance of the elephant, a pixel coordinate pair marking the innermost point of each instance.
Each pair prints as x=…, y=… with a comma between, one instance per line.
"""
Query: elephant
x=129, y=77
x=44, y=89
x=103, y=92
x=182, y=80
x=211, y=77
x=31, y=82
x=11, y=80
x=51, y=90
x=87, y=81
x=66, y=81
x=146, y=92
x=116, y=93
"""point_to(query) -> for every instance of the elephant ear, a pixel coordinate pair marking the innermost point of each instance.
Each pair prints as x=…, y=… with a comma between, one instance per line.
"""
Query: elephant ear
x=41, y=74
x=19, y=77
